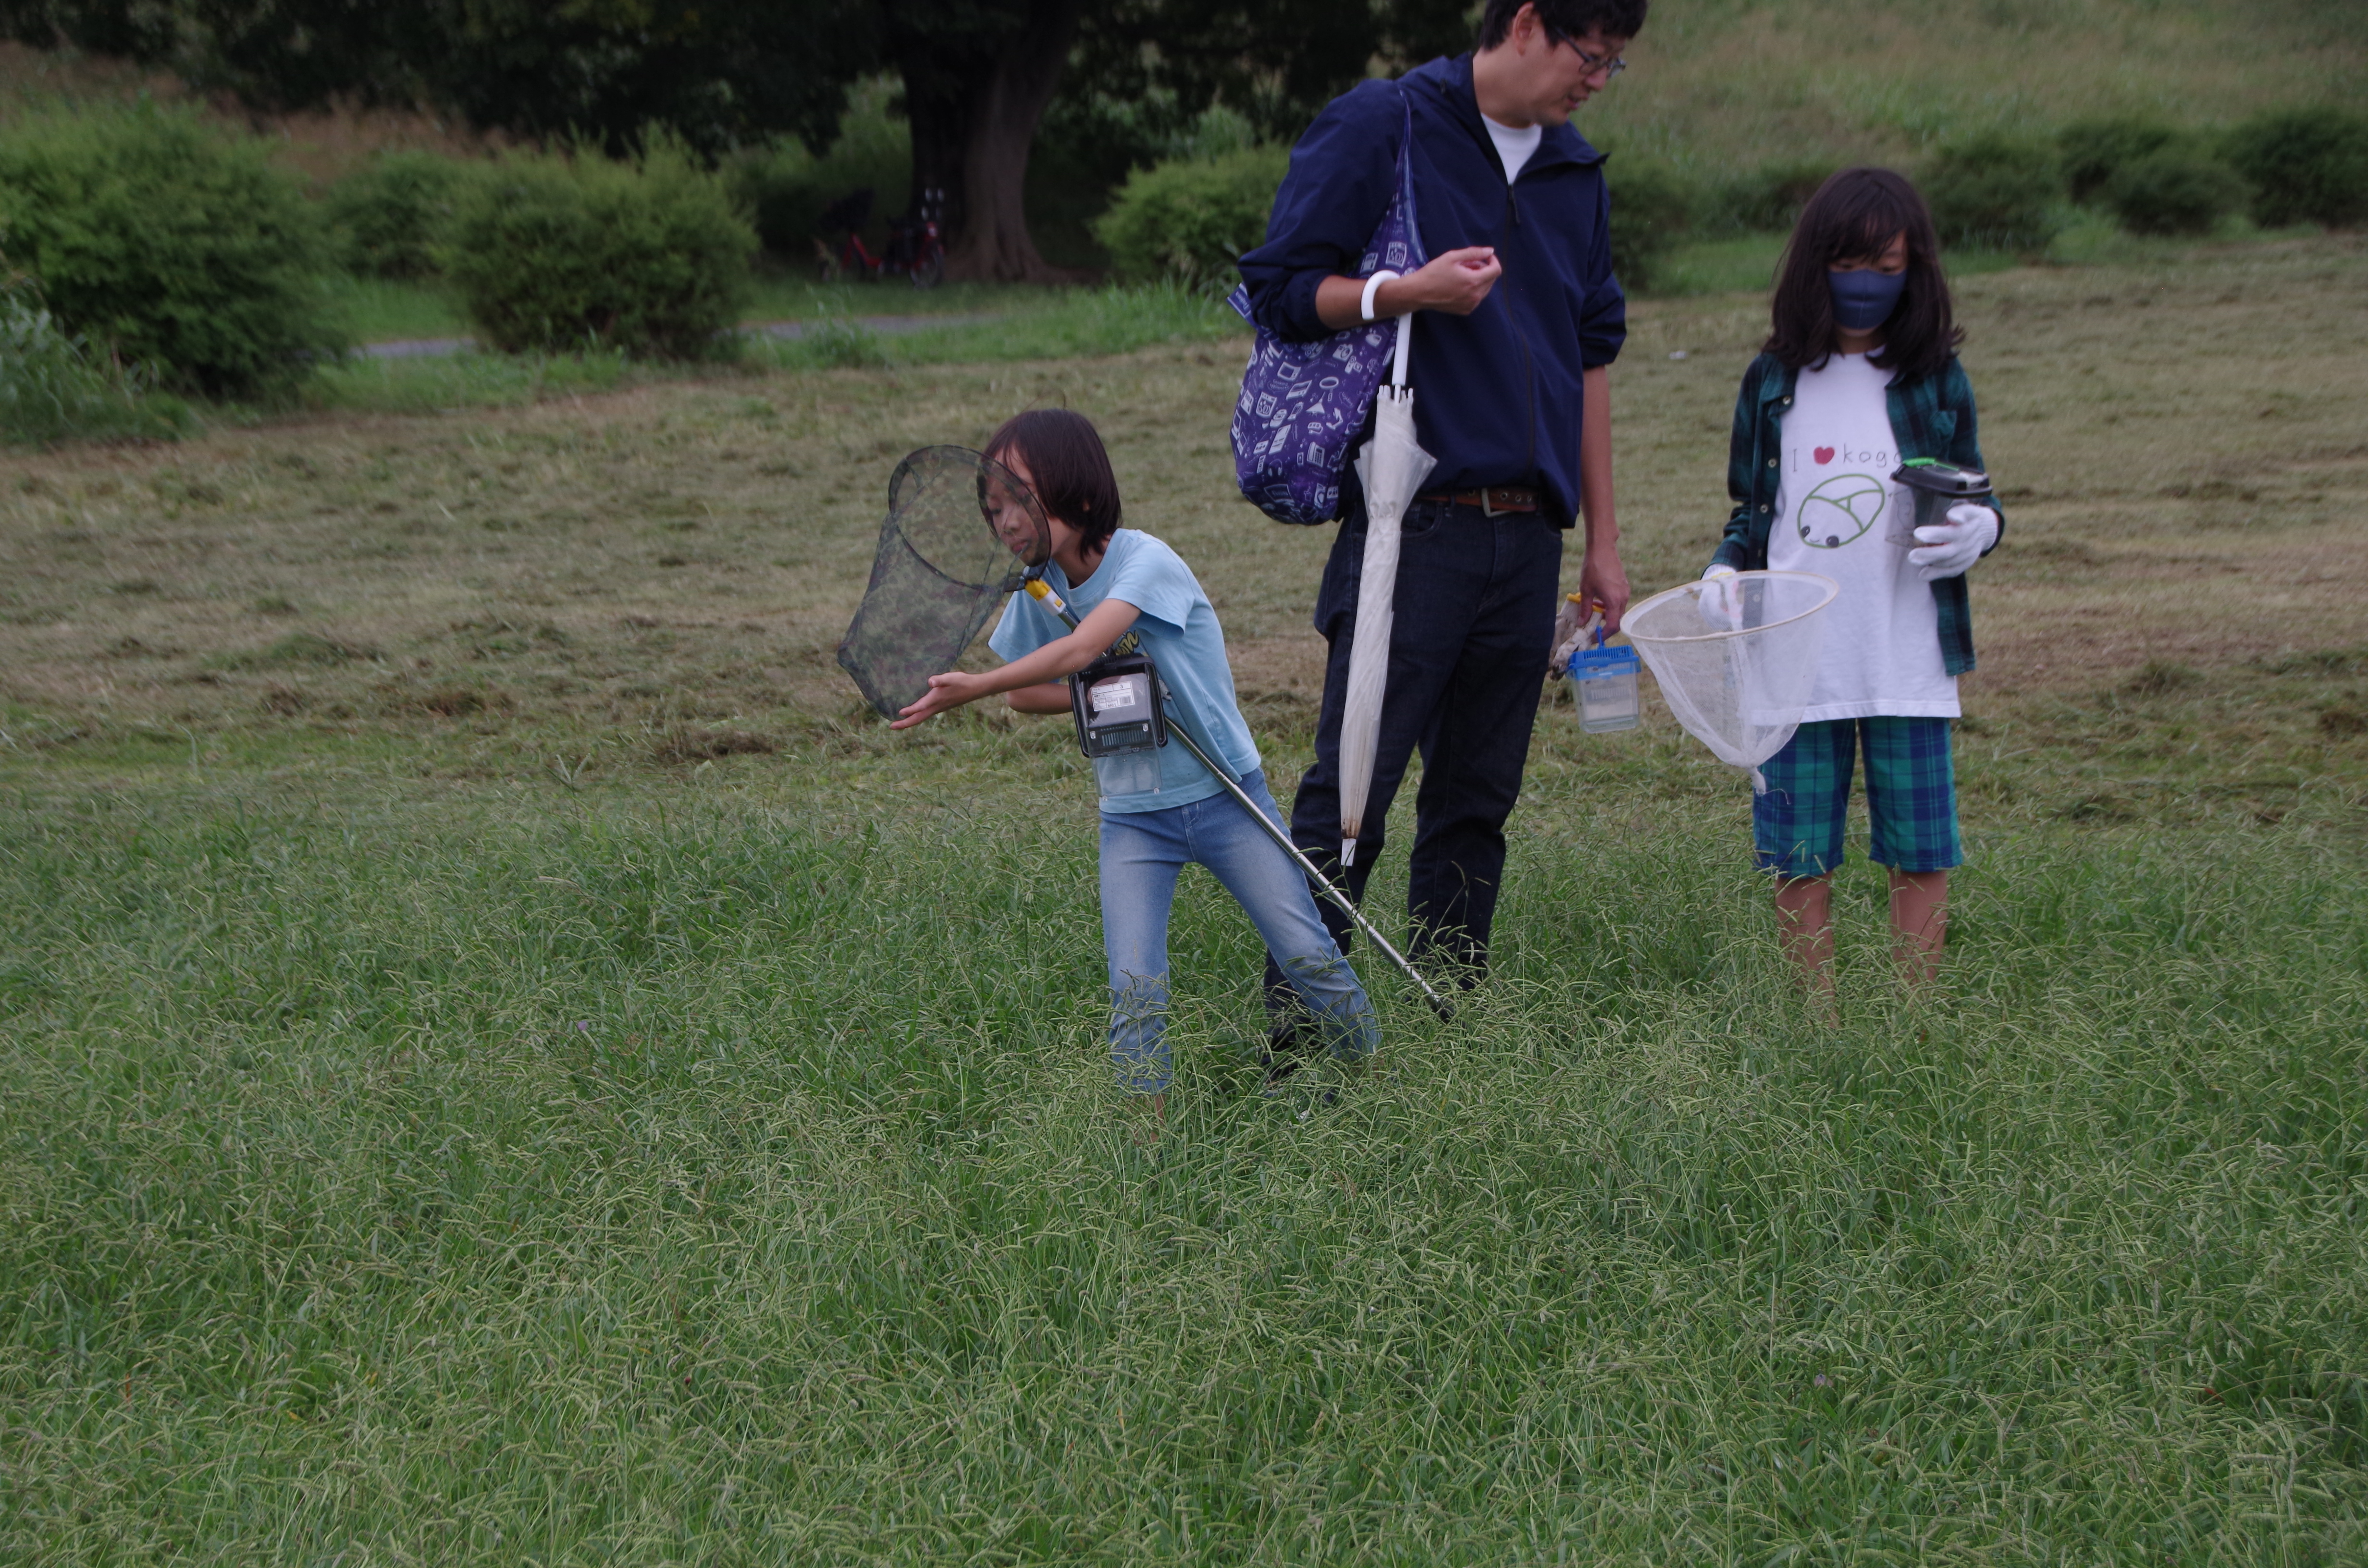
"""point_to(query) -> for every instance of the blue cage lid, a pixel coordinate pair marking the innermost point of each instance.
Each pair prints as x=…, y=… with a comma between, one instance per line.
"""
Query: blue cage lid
x=1601, y=664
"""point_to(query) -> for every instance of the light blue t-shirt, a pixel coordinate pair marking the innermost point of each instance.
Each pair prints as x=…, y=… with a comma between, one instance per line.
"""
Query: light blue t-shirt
x=1178, y=628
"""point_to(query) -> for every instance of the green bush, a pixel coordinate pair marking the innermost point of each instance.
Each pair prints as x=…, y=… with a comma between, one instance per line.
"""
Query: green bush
x=782, y=189
x=1088, y=144
x=2306, y=165
x=1651, y=208
x=170, y=244
x=2093, y=150
x=2178, y=188
x=1192, y=219
x=1994, y=190
x=1765, y=201
x=387, y=214
x=558, y=254
x=52, y=387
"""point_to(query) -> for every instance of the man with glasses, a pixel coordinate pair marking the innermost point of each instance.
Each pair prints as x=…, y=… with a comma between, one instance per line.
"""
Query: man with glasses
x=1517, y=319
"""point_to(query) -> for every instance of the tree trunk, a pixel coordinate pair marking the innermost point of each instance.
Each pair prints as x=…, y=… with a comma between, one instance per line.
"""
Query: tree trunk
x=940, y=83
x=974, y=99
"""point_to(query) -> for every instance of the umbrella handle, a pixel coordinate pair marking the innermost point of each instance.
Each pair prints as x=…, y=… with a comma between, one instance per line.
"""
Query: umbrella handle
x=1406, y=341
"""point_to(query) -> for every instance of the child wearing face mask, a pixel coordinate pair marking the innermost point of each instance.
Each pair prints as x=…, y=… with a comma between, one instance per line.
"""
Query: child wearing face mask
x=1859, y=376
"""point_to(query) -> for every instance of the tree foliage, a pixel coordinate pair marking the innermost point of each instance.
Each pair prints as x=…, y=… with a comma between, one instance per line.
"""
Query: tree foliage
x=978, y=74
x=713, y=71
x=1191, y=219
x=1278, y=63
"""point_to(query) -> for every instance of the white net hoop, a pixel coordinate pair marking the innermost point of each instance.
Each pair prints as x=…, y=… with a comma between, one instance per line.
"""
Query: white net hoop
x=1736, y=657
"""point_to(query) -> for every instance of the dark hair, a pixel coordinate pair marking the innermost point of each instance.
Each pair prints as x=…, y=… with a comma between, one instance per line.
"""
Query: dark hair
x=1067, y=468
x=1854, y=216
x=1564, y=19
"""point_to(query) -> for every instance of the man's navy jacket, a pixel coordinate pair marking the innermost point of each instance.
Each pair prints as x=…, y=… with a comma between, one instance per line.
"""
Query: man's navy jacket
x=1497, y=393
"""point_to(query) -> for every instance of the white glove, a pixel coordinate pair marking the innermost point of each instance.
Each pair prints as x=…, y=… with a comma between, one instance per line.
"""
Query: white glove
x=1721, y=604
x=1575, y=621
x=1952, y=547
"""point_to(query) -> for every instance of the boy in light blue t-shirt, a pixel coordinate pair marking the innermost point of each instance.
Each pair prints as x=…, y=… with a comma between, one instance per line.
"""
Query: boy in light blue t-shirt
x=1120, y=580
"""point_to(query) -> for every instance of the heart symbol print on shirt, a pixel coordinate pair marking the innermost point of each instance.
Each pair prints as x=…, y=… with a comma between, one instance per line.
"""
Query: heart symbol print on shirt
x=1839, y=510
x=1824, y=454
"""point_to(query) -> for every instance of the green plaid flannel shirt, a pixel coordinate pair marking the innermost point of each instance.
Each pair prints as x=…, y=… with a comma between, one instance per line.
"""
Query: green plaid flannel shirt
x=1932, y=417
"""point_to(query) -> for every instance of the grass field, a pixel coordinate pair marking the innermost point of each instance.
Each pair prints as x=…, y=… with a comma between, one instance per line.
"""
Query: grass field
x=384, y=310
x=1719, y=84
x=501, y=1057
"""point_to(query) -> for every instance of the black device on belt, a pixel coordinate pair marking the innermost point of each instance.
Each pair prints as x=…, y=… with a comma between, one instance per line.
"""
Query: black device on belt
x=1115, y=700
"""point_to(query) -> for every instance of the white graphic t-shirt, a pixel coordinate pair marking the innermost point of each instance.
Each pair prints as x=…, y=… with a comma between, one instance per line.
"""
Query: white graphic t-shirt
x=1515, y=147
x=1835, y=502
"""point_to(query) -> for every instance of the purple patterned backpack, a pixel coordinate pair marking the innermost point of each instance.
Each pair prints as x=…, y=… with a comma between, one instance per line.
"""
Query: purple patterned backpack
x=1304, y=404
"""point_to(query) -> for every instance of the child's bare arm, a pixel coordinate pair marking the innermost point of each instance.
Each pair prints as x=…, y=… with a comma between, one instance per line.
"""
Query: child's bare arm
x=1051, y=697
x=1106, y=624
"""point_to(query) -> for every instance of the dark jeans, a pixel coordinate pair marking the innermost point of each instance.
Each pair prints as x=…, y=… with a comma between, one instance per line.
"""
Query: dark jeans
x=1476, y=609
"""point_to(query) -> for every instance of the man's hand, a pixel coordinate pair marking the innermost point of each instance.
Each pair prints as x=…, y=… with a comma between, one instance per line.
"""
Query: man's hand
x=1455, y=282
x=1605, y=581
x=946, y=692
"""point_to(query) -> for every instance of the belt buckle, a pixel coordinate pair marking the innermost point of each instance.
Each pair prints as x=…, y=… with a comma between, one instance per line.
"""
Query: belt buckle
x=1487, y=507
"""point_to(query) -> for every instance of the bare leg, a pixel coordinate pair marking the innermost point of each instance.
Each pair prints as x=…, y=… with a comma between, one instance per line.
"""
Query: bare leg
x=1805, y=921
x=1919, y=922
x=1147, y=1131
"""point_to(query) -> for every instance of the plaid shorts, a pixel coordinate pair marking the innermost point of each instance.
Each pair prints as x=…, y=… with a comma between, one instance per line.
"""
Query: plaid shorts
x=1911, y=797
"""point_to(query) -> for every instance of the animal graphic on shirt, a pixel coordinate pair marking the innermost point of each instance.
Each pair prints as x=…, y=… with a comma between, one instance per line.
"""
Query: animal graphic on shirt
x=1837, y=511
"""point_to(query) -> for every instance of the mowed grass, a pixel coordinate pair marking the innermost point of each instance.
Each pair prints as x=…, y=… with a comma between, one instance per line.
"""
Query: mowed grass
x=1723, y=84
x=1008, y=324
x=501, y=1058
x=381, y=309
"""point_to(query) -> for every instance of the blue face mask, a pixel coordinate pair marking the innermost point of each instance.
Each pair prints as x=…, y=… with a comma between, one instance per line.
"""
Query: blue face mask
x=1864, y=301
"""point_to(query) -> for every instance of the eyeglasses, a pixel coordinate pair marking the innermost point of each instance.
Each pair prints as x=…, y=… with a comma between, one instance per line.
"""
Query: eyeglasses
x=1609, y=64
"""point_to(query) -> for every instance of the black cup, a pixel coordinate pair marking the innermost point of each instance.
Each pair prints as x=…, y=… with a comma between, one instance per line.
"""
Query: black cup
x=1936, y=486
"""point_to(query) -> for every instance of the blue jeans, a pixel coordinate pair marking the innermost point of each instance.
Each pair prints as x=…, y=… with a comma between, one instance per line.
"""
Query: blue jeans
x=1143, y=852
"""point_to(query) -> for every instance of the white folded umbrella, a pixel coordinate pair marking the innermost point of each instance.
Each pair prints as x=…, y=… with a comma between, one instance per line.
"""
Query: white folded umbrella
x=1390, y=468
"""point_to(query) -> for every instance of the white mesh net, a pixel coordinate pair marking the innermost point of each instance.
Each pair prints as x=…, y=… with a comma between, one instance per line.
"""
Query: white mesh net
x=1736, y=657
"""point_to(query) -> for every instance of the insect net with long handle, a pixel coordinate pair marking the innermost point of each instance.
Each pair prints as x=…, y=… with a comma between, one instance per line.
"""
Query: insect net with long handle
x=961, y=533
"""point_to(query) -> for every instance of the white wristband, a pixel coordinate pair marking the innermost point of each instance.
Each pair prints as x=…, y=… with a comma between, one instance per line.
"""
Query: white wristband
x=1372, y=287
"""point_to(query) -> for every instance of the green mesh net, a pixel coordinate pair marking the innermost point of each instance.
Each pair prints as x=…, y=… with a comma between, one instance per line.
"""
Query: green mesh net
x=960, y=530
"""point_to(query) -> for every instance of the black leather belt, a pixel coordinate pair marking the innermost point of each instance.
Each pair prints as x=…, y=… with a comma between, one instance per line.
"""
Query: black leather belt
x=1494, y=499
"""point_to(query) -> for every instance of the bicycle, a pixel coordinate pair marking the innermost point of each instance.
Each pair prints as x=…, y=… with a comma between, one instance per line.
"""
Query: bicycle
x=916, y=249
